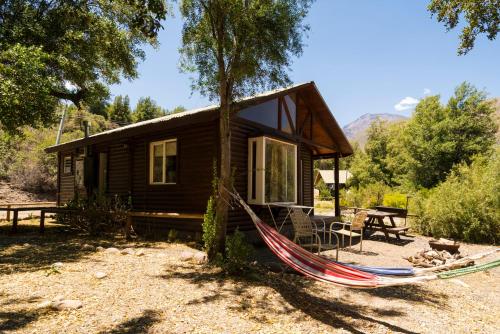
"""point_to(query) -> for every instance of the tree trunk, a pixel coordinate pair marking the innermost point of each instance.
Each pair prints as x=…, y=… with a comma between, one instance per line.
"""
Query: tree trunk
x=225, y=181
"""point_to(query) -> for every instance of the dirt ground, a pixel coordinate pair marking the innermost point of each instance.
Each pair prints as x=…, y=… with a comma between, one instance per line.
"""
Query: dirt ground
x=158, y=292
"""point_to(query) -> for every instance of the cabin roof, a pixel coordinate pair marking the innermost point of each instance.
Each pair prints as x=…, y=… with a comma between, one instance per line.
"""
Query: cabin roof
x=328, y=176
x=207, y=113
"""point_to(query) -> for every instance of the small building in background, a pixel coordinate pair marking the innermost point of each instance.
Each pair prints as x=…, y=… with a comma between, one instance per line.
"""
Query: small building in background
x=328, y=177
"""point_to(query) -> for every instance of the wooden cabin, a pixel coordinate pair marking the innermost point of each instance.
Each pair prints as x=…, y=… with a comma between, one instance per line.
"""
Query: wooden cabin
x=166, y=164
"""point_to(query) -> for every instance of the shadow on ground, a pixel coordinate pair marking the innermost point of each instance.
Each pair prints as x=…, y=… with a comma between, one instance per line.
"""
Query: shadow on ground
x=27, y=250
x=304, y=297
x=139, y=324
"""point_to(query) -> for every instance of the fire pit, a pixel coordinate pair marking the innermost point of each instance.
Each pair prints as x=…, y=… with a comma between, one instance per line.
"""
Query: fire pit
x=444, y=244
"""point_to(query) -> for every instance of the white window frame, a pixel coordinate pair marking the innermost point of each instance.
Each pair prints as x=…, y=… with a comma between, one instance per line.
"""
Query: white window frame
x=70, y=158
x=260, y=177
x=151, y=161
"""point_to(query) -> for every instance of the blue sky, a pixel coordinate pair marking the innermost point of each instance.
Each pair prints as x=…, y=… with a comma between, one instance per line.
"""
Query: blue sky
x=365, y=57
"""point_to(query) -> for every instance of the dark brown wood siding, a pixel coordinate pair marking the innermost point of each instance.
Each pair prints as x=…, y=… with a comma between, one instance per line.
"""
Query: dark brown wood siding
x=307, y=176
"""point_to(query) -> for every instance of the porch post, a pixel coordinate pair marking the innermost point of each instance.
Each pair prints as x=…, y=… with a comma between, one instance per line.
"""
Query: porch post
x=336, y=190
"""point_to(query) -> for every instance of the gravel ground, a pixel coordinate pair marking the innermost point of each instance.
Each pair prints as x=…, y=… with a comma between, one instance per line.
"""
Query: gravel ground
x=158, y=292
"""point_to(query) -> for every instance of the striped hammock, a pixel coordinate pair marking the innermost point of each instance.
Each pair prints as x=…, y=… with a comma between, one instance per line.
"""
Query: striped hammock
x=325, y=270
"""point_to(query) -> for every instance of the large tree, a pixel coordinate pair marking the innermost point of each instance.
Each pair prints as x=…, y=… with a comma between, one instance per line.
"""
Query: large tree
x=238, y=47
x=119, y=111
x=481, y=16
x=146, y=109
x=440, y=136
x=52, y=50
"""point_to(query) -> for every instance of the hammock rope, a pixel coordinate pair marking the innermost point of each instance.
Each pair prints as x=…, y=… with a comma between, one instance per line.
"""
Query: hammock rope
x=329, y=271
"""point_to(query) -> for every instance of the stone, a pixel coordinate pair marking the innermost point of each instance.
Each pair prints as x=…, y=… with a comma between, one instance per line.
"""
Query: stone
x=100, y=249
x=100, y=275
x=199, y=258
x=112, y=250
x=140, y=252
x=186, y=256
x=128, y=251
x=88, y=247
x=44, y=304
x=26, y=244
x=58, y=298
x=57, y=265
x=67, y=304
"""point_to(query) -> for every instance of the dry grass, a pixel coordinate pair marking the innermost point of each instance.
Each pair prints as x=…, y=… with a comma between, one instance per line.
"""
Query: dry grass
x=159, y=293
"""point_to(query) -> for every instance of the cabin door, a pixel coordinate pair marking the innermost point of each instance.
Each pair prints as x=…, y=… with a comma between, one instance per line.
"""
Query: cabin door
x=102, y=185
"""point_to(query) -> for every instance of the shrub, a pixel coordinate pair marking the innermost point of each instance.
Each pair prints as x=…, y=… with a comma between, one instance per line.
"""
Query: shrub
x=238, y=252
x=172, y=235
x=97, y=214
x=209, y=226
x=467, y=205
x=367, y=196
x=396, y=200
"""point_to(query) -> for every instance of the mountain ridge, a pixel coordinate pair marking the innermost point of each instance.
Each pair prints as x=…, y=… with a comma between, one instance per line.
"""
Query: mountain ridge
x=356, y=131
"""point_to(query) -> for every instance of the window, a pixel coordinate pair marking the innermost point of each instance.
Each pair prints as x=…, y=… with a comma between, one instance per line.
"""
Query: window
x=264, y=113
x=272, y=175
x=67, y=165
x=163, y=162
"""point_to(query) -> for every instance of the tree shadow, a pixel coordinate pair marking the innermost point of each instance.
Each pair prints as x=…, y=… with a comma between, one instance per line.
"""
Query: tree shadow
x=139, y=324
x=15, y=320
x=392, y=240
x=299, y=294
x=414, y=293
x=28, y=251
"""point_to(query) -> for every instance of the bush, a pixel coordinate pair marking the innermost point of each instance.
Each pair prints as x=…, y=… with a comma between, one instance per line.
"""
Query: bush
x=367, y=196
x=238, y=252
x=467, y=205
x=96, y=215
x=209, y=226
x=396, y=200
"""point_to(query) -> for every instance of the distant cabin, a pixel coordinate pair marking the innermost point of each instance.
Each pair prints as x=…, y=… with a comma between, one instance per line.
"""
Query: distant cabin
x=166, y=164
x=328, y=177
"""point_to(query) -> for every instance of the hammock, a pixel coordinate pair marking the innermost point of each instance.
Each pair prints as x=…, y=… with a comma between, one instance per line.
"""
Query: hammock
x=321, y=269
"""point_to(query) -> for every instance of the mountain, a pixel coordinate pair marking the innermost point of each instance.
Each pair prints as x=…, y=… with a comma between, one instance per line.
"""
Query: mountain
x=356, y=131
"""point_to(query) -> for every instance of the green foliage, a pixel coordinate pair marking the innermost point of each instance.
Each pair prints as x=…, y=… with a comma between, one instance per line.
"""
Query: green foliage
x=438, y=137
x=324, y=191
x=176, y=110
x=147, y=109
x=367, y=196
x=467, y=205
x=481, y=16
x=238, y=253
x=209, y=226
x=97, y=214
x=396, y=200
x=243, y=45
x=119, y=111
x=25, y=84
x=70, y=50
x=25, y=163
x=172, y=235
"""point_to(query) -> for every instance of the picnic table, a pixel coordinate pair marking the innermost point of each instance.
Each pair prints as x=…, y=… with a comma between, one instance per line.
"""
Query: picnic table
x=376, y=222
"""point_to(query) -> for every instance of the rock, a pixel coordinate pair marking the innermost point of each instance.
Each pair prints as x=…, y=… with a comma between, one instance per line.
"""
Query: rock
x=57, y=265
x=26, y=244
x=100, y=249
x=186, y=256
x=44, y=304
x=128, y=251
x=58, y=298
x=67, y=304
x=88, y=247
x=199, y=258
x=100, y=275
x=140, y=252
x=112, y=250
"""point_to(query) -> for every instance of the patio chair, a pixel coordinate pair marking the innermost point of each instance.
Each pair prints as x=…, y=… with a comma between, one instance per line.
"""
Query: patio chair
x=349, y=228
x=304, y=228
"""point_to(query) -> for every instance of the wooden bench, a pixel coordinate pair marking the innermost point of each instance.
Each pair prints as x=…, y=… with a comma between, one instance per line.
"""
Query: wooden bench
x=401, y=213
x=43, y=210
x=157, y=214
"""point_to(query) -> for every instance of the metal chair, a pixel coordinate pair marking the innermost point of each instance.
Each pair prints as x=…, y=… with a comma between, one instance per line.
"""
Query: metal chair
x=305, y=228
x=348, y=228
